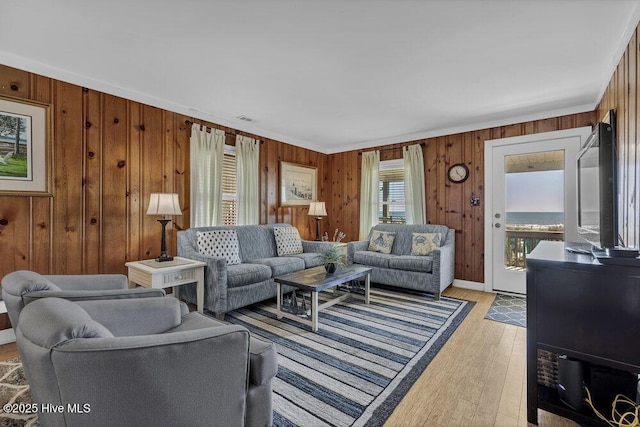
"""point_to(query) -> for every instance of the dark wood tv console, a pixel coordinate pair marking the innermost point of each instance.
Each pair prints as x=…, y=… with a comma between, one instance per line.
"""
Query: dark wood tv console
x=583, y=309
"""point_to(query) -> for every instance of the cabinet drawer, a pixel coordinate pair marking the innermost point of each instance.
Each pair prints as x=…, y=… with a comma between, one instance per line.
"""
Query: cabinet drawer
x=179, y=276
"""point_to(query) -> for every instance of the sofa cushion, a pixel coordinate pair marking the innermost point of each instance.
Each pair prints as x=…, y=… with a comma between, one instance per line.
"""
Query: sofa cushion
x=281, y=265
x=411, y=263
x=404, y=232
x=220, y=244
x=425, y=243
x=381, y=241
x=311, y=259
x=288, y=240
x=373, y=259
x=246, y=274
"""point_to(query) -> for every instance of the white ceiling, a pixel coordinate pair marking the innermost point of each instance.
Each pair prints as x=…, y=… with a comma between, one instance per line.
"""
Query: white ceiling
x=330, y=75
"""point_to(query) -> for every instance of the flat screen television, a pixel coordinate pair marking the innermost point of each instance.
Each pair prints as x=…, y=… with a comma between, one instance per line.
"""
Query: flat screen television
x=597, y=189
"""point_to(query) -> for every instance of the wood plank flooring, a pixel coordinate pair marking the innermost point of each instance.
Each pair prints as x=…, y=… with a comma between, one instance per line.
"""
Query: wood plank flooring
x=477, y=379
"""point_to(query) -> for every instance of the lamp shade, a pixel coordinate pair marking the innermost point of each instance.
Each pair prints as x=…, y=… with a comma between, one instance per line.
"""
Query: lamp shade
x=317, y=209
x=164, y=204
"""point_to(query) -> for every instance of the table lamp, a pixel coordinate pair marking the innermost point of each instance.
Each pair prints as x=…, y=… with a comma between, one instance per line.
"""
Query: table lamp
x=318, y=210
x=164, y=204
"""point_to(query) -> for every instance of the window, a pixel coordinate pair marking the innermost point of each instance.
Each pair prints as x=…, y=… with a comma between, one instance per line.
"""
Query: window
x=391, y=192
x=229, y=187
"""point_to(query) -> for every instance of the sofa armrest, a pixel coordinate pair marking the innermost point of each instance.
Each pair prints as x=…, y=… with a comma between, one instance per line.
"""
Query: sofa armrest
x=263, y=359
x=444, y=260
x=89, y=281
x=353, y=247
x=215, y=278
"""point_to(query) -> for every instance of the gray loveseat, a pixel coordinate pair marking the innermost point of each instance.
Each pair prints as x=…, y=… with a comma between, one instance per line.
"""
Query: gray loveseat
x=228, y=287
x=427, y=273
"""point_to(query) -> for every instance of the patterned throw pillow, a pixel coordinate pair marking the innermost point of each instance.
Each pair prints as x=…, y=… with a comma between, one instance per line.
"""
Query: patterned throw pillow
x=425, y=243
x=381, y=241
x=288, y=241
x=220, y=244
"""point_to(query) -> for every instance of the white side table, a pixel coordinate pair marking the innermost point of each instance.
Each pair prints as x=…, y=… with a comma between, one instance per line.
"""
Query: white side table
x=167, y=274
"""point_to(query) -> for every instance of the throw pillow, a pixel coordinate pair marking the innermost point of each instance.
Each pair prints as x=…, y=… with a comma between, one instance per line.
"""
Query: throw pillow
x=288, y=241
x=424, y=243
x=220, y=244
x=381, y=241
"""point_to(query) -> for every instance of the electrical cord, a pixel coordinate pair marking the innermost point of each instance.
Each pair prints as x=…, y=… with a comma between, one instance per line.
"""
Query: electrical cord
x=629, y=418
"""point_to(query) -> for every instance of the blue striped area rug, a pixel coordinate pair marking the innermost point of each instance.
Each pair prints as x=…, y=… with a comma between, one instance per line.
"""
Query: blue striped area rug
x=364, y=358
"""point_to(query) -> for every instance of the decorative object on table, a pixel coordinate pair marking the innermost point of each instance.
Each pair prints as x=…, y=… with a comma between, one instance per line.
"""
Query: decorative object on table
x=352, y=286
x=333, y=259
x=338, y=236
x=318, y=210
x=164, y=204
x=325, y=237
x=25, y=156
x=297, y=184
x=291, y=305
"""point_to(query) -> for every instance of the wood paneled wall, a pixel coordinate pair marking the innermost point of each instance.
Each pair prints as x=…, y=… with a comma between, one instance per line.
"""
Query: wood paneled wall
x=622, y=96
x=109, y=155
x=447, y=203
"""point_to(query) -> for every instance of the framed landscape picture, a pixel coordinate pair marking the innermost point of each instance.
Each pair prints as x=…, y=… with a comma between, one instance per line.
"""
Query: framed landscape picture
x=25, y=147
x=298, y=184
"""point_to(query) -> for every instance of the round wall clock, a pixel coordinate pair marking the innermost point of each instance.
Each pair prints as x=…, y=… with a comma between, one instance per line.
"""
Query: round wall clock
x=458, y=173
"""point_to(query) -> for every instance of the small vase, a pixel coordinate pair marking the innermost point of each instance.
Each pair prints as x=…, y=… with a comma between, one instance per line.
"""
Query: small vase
x=331, y=267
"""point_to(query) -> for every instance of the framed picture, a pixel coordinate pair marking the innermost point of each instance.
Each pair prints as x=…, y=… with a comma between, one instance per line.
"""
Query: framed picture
x=298, y=184
x=25, y=148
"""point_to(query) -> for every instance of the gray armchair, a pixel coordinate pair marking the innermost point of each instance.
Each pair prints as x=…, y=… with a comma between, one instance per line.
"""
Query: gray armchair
x=139, y=362
x=19, y=288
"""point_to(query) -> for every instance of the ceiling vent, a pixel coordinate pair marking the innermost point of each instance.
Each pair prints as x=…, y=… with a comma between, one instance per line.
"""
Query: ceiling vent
x=246, y=119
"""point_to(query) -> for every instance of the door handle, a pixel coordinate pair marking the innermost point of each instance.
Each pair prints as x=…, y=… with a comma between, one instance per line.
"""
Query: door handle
x=497, y=225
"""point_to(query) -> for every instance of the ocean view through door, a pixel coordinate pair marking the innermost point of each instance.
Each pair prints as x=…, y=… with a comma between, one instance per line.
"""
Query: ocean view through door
x=533, y=198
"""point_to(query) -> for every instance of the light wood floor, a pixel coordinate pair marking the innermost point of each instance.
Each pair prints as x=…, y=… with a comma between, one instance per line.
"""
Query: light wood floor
x=477, y=379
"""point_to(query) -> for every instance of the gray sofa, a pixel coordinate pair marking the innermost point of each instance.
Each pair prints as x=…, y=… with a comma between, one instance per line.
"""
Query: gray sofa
x=228, y=287
x=140, y=362
x=431, y=273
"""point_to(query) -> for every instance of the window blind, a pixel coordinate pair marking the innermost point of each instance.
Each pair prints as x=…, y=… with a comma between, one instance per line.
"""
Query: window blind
x=229, y=190
x=391, y=193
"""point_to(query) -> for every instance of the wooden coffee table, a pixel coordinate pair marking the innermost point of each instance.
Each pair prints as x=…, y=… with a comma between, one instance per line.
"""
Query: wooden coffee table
x=314, y=280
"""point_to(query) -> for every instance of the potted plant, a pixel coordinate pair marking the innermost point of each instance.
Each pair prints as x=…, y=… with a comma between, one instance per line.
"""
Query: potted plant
x=333, y=259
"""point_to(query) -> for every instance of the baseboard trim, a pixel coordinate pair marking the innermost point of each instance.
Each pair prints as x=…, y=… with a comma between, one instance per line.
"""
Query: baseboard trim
x=468, y=284
x=7, y=336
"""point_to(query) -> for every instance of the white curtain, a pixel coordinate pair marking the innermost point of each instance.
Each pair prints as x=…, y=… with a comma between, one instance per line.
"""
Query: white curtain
x=414, y=193
x=207, y=153
x=247, y=157
x=369, y=184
